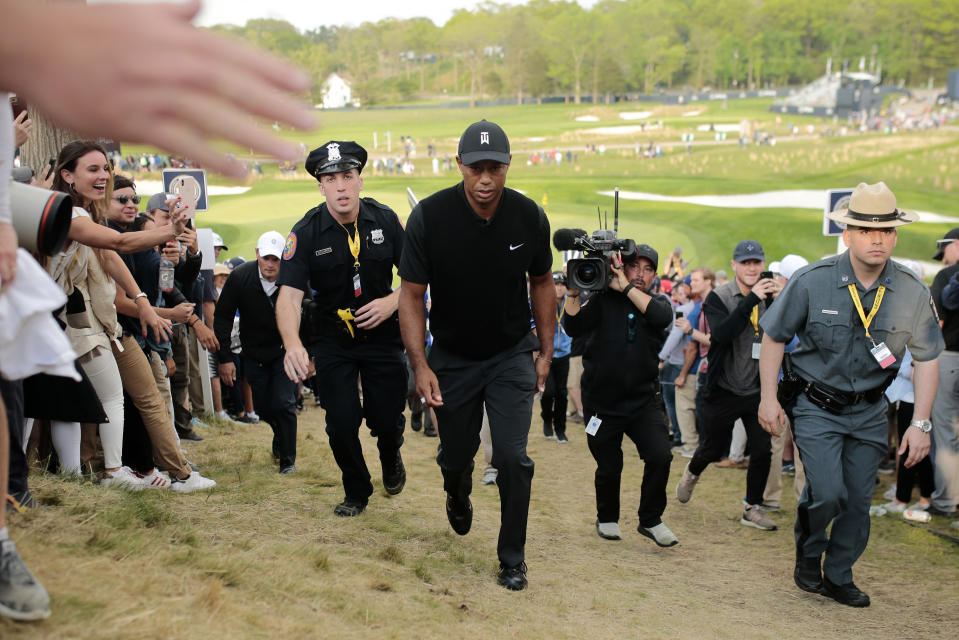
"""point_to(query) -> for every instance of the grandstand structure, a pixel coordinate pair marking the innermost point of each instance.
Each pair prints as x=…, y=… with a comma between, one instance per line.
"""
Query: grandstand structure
x=843, y=94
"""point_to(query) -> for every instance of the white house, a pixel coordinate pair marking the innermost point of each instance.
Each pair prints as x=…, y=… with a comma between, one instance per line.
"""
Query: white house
x=337, y=93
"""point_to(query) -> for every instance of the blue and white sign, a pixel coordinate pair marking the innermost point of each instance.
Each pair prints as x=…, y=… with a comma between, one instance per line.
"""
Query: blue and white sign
x=835, y=199
x=189, y=184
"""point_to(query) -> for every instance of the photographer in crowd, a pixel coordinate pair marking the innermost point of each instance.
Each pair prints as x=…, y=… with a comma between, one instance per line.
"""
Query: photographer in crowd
x=733, y=311
x=626, y=328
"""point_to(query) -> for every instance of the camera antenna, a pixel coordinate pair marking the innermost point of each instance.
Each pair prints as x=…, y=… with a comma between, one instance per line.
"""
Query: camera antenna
x=606, y=219
x=616, y=212
x=599, y=216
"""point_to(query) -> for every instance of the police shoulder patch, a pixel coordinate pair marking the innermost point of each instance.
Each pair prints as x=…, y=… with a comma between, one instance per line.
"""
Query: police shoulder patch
x=290, y=250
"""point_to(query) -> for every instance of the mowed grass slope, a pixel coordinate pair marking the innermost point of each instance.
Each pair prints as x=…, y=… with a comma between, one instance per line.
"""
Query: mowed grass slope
x=262, y=556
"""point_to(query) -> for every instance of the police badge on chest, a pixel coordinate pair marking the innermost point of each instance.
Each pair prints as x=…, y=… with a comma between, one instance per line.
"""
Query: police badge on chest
x=376, y=235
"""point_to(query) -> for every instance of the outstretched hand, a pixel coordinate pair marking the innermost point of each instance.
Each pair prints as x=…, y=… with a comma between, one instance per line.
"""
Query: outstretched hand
x=66, y=62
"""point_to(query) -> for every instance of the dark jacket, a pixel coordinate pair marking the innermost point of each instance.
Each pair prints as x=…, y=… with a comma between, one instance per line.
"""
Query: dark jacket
x=621, y=355
x=259, y=336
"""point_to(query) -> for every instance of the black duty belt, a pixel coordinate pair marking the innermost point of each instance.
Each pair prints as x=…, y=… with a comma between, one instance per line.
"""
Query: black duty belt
x=835, y=400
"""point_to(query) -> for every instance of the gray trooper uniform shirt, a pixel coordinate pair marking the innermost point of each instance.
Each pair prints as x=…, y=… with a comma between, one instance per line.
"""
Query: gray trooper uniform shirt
x=833, y=348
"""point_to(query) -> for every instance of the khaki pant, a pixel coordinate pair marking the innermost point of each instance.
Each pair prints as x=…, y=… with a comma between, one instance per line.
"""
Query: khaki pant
x=163, y=383
x=186, y=386
x=139, y=383
x=686, y=413
x=774, y=482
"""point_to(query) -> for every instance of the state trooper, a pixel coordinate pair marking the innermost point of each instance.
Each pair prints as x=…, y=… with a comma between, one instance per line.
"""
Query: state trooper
x=855, y=314
x=345, y=250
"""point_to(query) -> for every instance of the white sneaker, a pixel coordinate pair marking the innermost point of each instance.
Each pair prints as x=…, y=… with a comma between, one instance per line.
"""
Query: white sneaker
x=255, y=417
x=890, y=493
x=156, y=479
x=608, y=530
x=489, y=477
x=684, y=490
x=125, y=478
x=225, y=417
x=660, y=534
x=195, y=482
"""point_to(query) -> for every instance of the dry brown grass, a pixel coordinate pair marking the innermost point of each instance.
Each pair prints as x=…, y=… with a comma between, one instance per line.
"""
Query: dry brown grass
x=263, y=556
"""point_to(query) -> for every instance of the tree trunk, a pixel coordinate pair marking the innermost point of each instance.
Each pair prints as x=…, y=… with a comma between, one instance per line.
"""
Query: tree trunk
x=45, y=142
x=595, y=79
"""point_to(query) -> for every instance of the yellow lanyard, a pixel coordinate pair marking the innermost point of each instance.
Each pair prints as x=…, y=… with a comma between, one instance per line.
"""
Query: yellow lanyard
x=867, y=320
x=354, y=242
x=753, y=315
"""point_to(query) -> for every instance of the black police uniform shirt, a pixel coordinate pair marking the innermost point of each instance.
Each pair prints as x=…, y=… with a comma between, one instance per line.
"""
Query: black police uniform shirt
x=476, y=268
x=317, y=255
x=621, y=354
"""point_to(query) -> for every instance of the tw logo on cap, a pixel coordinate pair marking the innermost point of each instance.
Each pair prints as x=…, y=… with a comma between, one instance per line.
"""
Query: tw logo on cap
x=484, y=137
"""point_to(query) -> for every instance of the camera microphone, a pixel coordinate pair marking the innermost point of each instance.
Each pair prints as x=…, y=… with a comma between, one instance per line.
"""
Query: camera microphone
x=567, y=239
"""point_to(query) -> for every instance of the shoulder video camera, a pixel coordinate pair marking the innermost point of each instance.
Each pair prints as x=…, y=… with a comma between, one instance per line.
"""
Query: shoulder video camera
x=592, y=271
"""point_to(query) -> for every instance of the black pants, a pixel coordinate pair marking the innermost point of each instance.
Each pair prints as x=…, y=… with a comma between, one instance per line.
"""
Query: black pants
x=648, y=431
x=382, y=372
x=721, y=409
x=12, y=391
x=506, y=384
x=921, y=472
x=553, y=403
x=274, y=400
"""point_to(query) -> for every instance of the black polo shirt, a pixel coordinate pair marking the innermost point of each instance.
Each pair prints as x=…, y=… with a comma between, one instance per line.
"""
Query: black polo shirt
x=950, y=319
x=476, y=268
x=318, y=257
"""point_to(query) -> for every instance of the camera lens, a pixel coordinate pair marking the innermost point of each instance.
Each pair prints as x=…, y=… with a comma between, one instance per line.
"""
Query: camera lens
x=587, y=273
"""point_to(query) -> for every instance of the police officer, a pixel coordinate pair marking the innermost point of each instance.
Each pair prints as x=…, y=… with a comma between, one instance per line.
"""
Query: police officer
x=855, y=314
x=345, y=250
x=626, y=328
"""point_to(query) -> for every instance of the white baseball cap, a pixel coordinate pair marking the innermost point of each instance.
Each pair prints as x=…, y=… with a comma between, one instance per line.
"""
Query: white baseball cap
x=218, y=241
x=271, y=243
x=791, y=264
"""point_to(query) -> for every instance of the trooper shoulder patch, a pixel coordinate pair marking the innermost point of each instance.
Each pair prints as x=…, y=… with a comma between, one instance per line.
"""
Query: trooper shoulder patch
x=290, y=249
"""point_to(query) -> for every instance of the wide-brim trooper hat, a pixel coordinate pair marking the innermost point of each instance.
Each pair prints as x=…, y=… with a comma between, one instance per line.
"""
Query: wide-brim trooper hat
x=872, y=206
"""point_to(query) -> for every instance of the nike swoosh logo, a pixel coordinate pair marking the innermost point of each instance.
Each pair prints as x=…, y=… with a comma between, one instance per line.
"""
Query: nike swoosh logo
x=515, y=247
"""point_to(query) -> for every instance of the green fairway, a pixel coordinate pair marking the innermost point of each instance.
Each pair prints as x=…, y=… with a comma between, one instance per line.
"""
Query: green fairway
x=919, y=167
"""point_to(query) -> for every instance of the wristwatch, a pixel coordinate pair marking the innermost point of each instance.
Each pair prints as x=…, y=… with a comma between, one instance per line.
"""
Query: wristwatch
x=923, y=425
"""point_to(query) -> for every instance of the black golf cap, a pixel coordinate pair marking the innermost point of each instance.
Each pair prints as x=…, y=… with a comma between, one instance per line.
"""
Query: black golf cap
x=644, y=251
x=335, y=156
x=484, y=140
x=941, y=245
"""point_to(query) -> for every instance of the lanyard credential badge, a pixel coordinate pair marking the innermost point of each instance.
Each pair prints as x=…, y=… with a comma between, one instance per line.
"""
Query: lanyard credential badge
x=879, y=351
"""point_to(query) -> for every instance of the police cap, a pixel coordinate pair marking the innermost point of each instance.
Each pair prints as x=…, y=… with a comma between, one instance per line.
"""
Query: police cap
x=335, y=156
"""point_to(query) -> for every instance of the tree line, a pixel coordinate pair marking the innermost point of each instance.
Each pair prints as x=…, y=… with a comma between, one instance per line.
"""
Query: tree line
x=549, y=47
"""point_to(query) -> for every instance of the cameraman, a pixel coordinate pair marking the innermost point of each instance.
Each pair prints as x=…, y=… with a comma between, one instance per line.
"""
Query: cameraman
x=626, y=328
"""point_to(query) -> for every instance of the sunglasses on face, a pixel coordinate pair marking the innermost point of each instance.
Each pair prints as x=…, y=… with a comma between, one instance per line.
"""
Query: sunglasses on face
x=125, y=199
